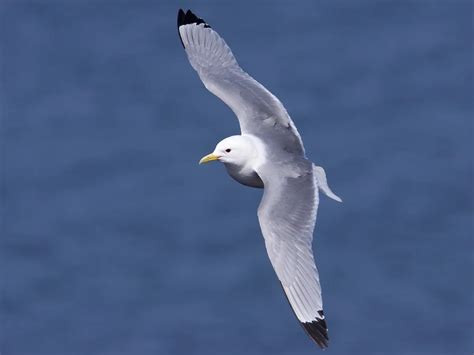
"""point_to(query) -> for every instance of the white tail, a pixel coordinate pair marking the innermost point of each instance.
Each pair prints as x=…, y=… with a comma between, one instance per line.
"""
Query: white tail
x=320, y=176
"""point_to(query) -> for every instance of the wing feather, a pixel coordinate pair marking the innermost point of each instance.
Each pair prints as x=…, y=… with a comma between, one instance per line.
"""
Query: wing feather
x=287, y=216
x=259, y=112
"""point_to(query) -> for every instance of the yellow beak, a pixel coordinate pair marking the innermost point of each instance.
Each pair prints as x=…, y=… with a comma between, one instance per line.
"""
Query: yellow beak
x=208, y=158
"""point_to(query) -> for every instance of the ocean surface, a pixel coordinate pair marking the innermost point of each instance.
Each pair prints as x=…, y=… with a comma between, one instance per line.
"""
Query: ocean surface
x=114, y=241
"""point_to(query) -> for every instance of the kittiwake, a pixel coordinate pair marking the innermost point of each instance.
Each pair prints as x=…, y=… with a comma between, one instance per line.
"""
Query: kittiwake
x=268, y=154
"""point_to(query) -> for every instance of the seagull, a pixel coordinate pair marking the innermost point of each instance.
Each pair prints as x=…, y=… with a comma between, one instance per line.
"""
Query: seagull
x=268, y=154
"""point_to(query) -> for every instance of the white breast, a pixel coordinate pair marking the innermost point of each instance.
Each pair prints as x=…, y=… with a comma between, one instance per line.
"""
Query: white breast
x=245, y=176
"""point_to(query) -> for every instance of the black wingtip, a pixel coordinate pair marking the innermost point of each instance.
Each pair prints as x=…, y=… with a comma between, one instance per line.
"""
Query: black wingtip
x=181, y=17
x=317, y=330
x=187, y=18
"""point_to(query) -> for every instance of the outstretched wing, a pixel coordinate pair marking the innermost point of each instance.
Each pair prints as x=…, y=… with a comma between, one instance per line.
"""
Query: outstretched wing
x=287, y=215
x=259, y=112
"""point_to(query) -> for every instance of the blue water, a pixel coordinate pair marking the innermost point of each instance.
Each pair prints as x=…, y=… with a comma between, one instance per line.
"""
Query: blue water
x=115, y=241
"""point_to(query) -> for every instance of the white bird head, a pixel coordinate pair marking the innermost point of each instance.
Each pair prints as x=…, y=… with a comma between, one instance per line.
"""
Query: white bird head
x=237, y=150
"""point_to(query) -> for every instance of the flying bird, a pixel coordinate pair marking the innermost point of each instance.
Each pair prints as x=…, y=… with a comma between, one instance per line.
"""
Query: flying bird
x=268, y=154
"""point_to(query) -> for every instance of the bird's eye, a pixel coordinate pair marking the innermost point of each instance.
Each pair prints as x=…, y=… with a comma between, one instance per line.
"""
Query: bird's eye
x=227, y=150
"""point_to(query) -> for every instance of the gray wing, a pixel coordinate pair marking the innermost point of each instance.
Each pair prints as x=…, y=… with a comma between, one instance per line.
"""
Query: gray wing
x=259, y=112
x=287, y=215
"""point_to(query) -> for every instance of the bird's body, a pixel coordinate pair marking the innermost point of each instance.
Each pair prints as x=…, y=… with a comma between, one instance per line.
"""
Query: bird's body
x=268, y=154
x=244, y=175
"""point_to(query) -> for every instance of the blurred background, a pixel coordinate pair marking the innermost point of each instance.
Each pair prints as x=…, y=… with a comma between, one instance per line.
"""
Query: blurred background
x=114, y=241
